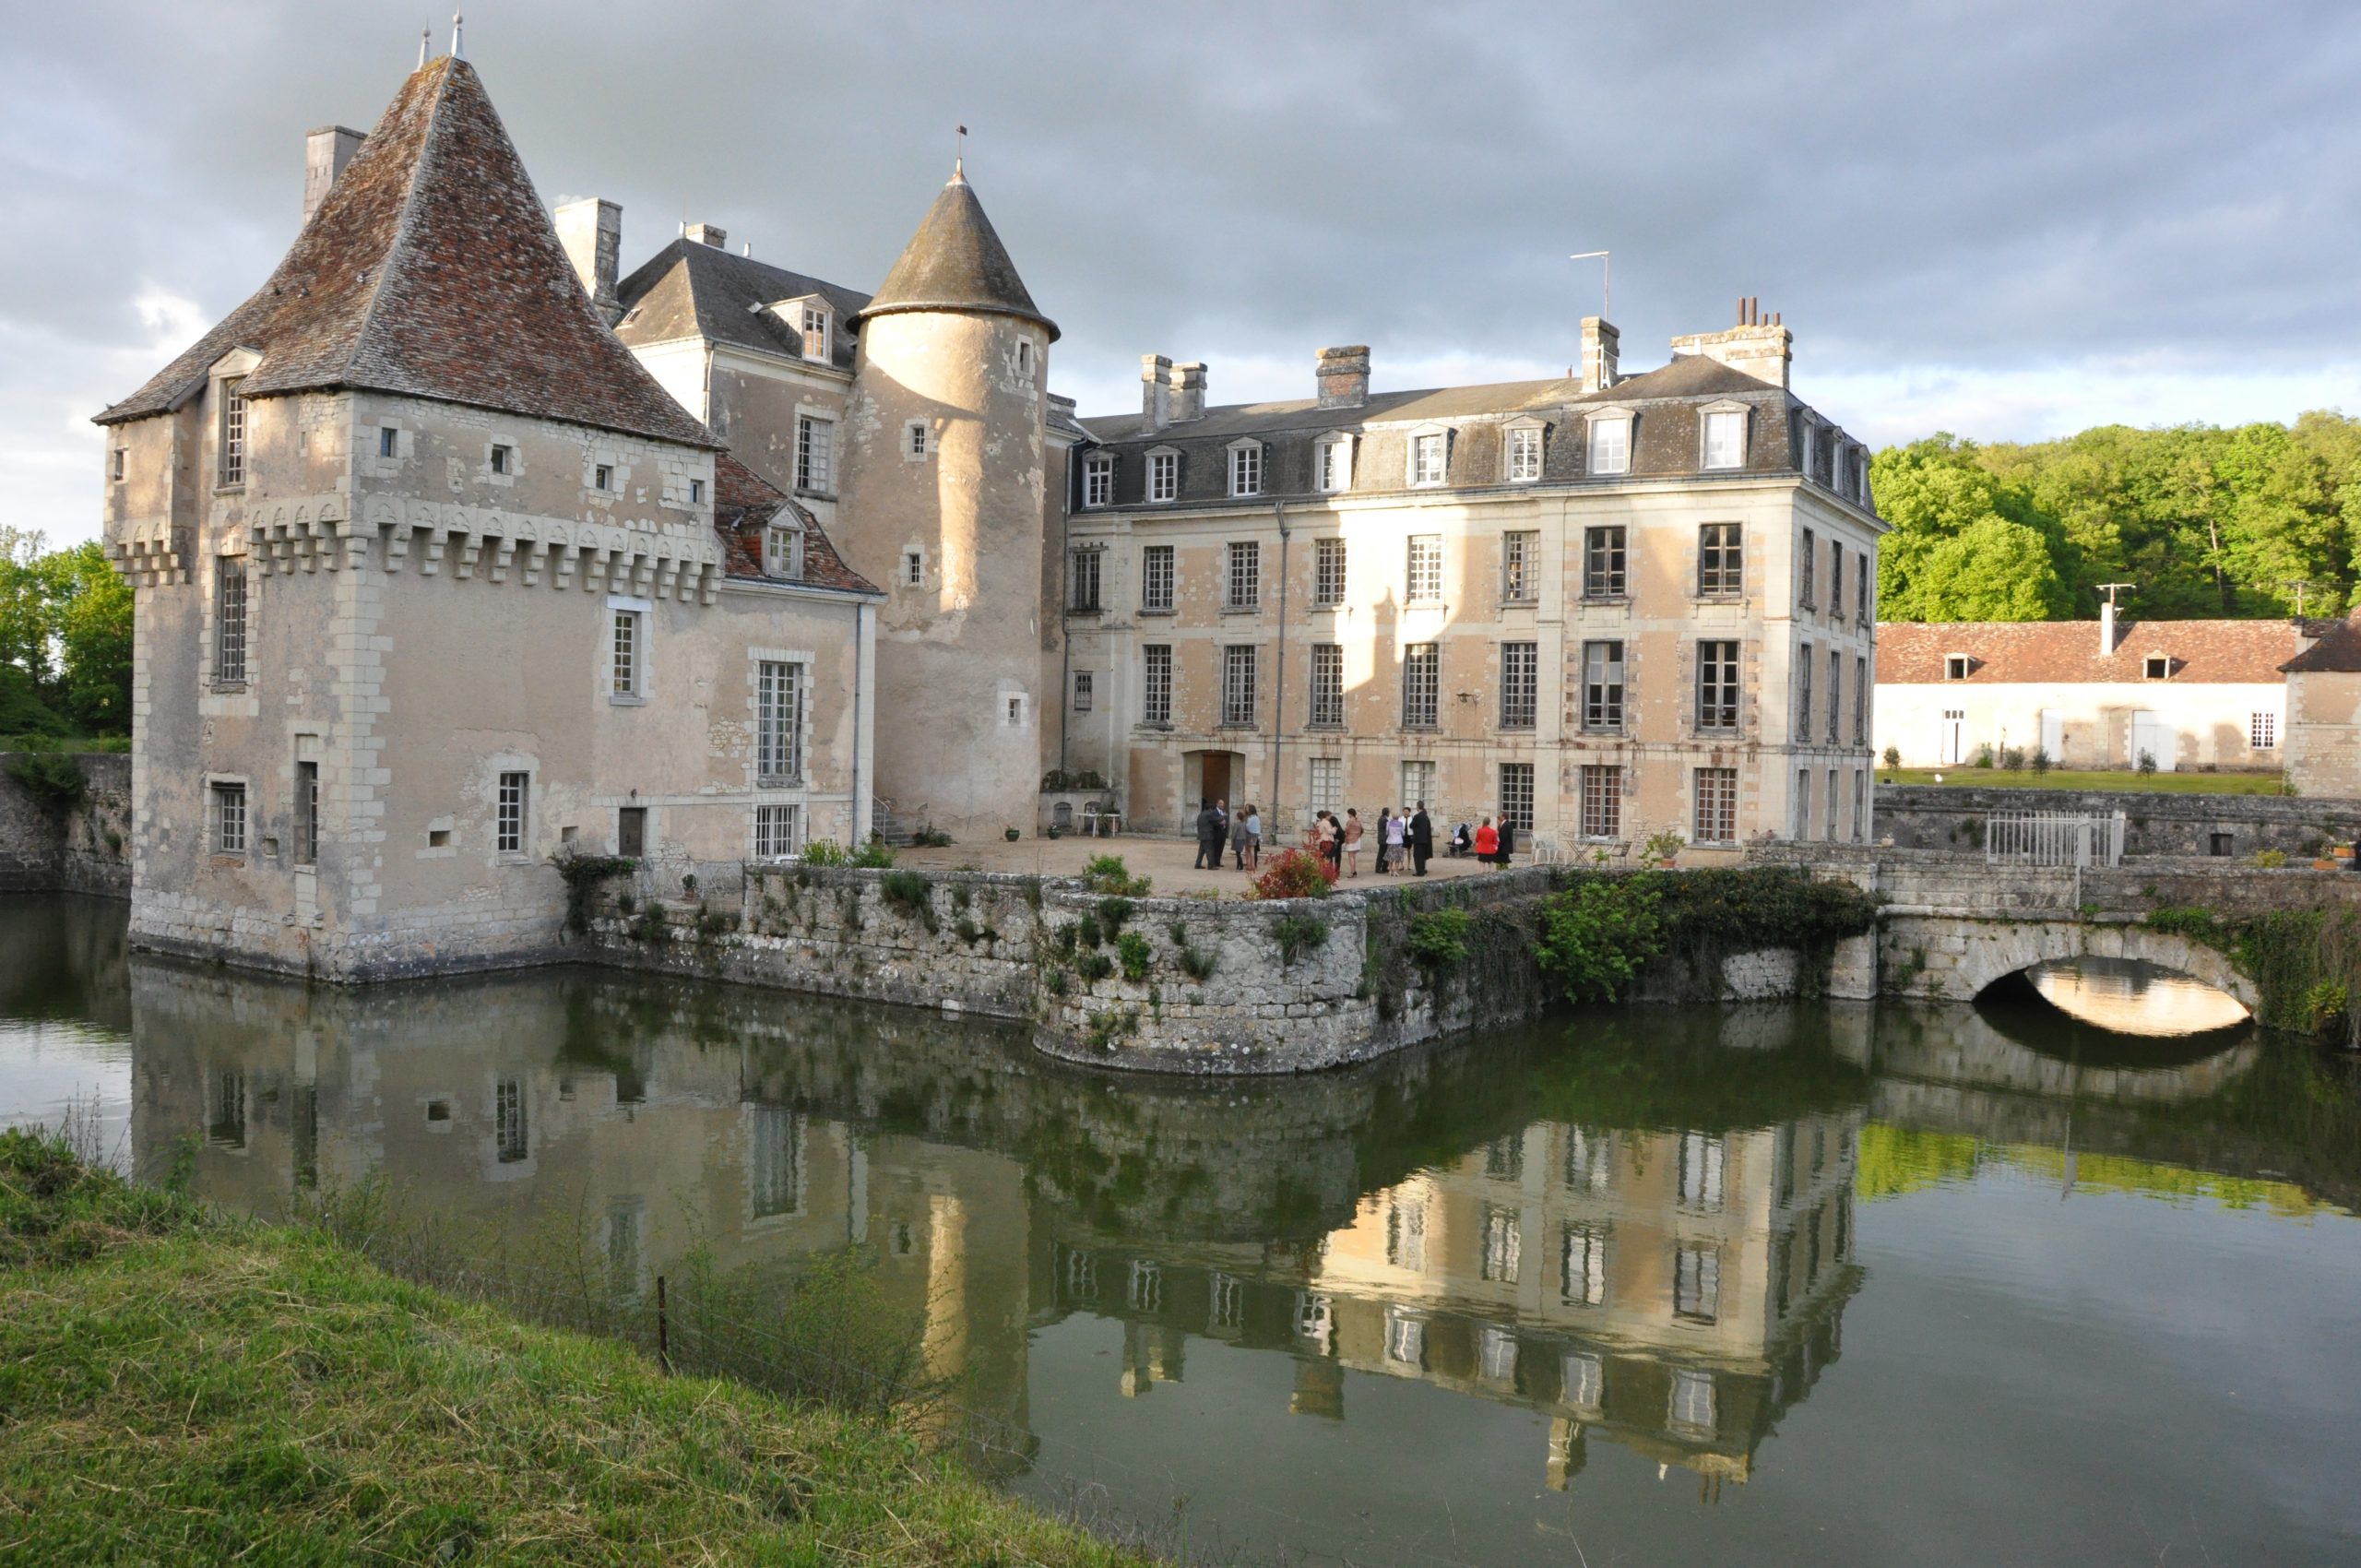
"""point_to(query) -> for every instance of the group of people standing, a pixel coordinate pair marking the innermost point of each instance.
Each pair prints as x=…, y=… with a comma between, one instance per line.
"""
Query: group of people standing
x=1404, y=838
x=1243, y=833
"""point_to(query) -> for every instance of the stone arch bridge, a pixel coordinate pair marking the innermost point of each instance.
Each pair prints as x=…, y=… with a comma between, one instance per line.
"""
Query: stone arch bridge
x=1953, y=956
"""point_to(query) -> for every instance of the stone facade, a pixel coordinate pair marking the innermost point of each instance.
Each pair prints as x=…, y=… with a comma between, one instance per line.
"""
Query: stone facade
x=82, y=848
x=1951, y=816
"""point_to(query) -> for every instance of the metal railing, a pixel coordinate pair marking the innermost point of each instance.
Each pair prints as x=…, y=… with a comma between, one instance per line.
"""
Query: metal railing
x=2054, y=838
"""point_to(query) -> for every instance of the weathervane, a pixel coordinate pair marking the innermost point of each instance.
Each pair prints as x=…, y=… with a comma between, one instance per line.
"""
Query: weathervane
x=959, y=154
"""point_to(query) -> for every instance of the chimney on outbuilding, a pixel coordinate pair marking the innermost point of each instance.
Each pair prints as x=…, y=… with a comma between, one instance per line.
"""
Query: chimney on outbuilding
x=591, y=230
x=709, y=234
x=1602, y=347
x=325, y=153
x=1343, y=376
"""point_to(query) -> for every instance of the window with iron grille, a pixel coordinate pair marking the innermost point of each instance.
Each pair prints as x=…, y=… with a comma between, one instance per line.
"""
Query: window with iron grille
x=1836, y=685
x=1421, y=686
x=1516, y=796
x=1085, y=687
x=1327, y=780
x=1098, y=480
x=1327, y=686
x=1716, y=792
x=1328, y=572
x=775, y=832
x=1804, y=560
x=1083, y=580
x=307, y=814
x=1603, y=563
x=1520, y=686
x=1610, y=446
x=775, y=1180
x=1582, y=1265
x=1697, y=1283
x=814, y=453
x=1602, y=786
x=1718, y=685
x=229, y=620
x=233, y=465
x=1429, y=458
x=778, y=720
x=228, y=819
x=1603, y=687
x=1424, y=583
x=1835, y=580
x=626, y=651
x=1720, y=561
x=1520, y=566
x=1525, y=453
x=1701, y=1159
x=509, y=828
x=1237, y=683
x=1156, y=578
x=1245, y=575
x=1155, y=691
x=1803, y=693
x=511, y=1138
x=1246, y=469
x=1164, y=476
x=1860, y=702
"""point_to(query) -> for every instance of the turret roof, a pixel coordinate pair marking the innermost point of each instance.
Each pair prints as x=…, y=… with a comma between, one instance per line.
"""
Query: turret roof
x=432, y=269
x=957, y=263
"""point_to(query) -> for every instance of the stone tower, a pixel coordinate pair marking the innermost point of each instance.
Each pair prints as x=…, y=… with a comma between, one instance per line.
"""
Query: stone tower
x=942, y=503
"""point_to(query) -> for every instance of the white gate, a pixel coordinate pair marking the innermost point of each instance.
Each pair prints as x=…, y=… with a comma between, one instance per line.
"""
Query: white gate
x=2054, y=838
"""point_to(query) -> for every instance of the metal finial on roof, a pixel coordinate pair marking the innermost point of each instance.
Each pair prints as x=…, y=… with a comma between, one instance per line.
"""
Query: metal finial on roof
x=959, y=158
x=459, y=46
x=425, y=40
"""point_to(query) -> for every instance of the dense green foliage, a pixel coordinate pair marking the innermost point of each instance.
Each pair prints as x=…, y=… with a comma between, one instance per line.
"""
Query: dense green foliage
x=1598, y=932
x=64, y=640
x=2207, y=522
x=1108, y=873
x=51, y=777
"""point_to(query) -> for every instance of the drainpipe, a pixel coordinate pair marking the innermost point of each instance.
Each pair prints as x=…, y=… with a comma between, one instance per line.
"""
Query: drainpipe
x=1279, y=692
x=1066, y=612
x=864, y=699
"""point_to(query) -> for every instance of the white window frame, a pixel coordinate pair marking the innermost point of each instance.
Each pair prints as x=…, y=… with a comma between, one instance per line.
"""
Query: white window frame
x=815, y=454
x=627, y=618
x=1159, y=578
x=1242, y=568
x=1714, y=815
x=1422, y=569
x=1521, y=567
x=1726, y=420
x=1156, y=684
x=782, y=688
x=1427, y=459
x=1522, y=452
x=1421, y=686
x=2262, y=730
x=1605, y=682
x=1098, y=480
x=512, y=813
x=229, y=812
x=818, y=328
x=602, y=478
x=1520, y=685
x=1327, y=692
x=1331, y=559
x=1332, y=465
x=1721, y=560
x=1163, y=476
x=783, y=551
x=918, y=440
x=1240, y=674
x=1517, y=788
x=1245, y=460
x=1602, y=802
x=1607, y=446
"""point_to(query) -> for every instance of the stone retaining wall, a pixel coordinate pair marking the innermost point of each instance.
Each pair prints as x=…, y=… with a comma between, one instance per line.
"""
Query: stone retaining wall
x=81, y=849
x=1950, y=816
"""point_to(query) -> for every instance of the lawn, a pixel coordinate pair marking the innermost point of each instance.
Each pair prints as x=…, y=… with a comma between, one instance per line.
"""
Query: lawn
x=2061, y=778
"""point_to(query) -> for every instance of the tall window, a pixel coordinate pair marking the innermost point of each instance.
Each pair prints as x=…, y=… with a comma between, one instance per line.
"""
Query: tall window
x=1405, y=1234
x=1429, y=454
x=1327, y=776
x=1246, y=469
x=775, y=834
x=815, y=332
x=1860, y=702
x=1516, y=796
x=1602, y=786
x=1835, y=580
x=1582, y=1379
x=1164, y=476
x=1603, y=686
x=1590, y=1160
x=1083, y=580
x=1327, y=686
x=1245, y=575
x=229, y=620
x=778, y=720
x=1724, y=440
x=1406, y=1338
x=627, y=653
x=1803, y=693
x=229, y=813
x=1861, y=588
x=1085, y=690
x=1155, y=691
x=1520, y=685
x=814, y=453
x=508, y=826
x=1702, y=1159
x=1720, y=561
x=774, y=1160
x=1860, y=814
x=1582, y=1265
x=233, y=465
x=1525, y=453
x=1520, y=566
x=1425, y=576
x=1332, y=465
x=1610, y=446
x=1098, y=480
x=1697, y=1283
x=1237, y=683
x=307, y=814
x=1718, y=685
x=1503, y=1245
x=1804, y=559
x=1328, y=573
x=512, y=1139
x=1603, y=563
x=1421, y=686
x=1156, y=578
x=1716, y=792
x=1829, y=831
x=1691, y=1407
x=1419, y=784
x=1835, y=683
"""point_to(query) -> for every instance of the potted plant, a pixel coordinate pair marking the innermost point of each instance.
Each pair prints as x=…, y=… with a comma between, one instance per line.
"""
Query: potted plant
x=1010, y=834
x=1662, y=847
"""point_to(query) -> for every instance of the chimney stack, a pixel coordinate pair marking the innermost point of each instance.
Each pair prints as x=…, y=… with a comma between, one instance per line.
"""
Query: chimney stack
x=1758, y=345
x=591, y=230
x=709, y=234
x=1188, y=391
x=1602, y=347
x=1156, y=390
x=325, y=153
x=1343, y=378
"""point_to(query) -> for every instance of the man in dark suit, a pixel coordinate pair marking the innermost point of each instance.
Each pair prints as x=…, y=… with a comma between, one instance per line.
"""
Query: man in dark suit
x=1422, y=839
x=1213, y=826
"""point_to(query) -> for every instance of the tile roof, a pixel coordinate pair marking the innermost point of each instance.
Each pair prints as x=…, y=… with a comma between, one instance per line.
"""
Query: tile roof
x=744, y=503
x=955, y=262
x=433, y=270
x=693, y=289
x=2337, y=651
x=2062, y=652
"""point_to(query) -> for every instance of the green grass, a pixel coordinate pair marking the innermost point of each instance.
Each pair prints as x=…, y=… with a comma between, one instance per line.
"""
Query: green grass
x=179, y=1386
x=2061, y=778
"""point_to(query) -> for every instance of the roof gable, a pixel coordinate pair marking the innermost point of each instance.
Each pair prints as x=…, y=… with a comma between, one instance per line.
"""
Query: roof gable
x=745, y=504
x=692, y=290
x=955, y=262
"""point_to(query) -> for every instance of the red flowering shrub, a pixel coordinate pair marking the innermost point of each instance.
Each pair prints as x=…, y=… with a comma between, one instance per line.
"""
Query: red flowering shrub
x=1294, y=874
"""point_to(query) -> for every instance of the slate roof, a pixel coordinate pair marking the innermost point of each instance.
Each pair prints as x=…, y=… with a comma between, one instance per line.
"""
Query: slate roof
x=743, y=504
x=2067, y=652
x=956, y=262
x=2338, y=651
x=689, y=289
x=432, y=270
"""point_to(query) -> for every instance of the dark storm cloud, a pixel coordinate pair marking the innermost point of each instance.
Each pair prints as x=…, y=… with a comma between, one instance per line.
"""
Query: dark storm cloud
x=1970, y=214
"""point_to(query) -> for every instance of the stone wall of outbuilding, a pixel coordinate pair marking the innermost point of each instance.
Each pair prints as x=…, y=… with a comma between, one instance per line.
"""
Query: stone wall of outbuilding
x=82, y=848
x=1950, y=816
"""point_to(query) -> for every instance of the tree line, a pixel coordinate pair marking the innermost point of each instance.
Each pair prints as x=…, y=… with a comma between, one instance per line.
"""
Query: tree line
x=64, y=640
x=2249, y=522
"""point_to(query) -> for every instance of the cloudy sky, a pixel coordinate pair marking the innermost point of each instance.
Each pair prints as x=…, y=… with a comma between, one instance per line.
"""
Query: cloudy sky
x=2006, y=219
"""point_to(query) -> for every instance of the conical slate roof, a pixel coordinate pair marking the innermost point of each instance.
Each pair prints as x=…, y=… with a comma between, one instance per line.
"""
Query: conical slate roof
x=432, y=270
x=954, y=262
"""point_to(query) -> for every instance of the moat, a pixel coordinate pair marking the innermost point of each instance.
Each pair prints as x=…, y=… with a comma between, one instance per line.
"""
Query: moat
x=1825, y=1283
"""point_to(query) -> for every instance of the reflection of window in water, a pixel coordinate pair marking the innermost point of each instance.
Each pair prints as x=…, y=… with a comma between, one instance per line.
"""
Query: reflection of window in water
x=1589, y=1157
x=1818, y=1148
x=1842, y=1211
x=307, y=1136
x=1315, y=1316
x=1582, y=1265
x=1405, y=1234
x=1787, y=1161
x=1782, y=1261
x=1692, y=1402
x=1811, y=1249
x=227, y=1126
x=508, y=1130
x=1503, y=1243
x=774, y=1161
x=902, y=1240
x=1230, y=1300
x=1697, y=1283
x=1701, y=1171
x=1147, y=1286
x=623, y=1245
x=1406, y=1338
x=1498, y=1354
x=1082, y=1277
x=1504, y=1159
x=1582, y=1380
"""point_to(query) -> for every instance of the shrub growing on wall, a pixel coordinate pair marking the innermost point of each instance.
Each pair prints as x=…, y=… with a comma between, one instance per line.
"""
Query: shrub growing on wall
x=1597, y=935
x=1295, y=873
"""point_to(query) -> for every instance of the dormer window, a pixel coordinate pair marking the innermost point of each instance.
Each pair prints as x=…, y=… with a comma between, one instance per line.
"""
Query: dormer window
x=1957, y=666
x=1524, y=454
x=815, y=332
x=1098, y=480
x=1429, y=457
x=1332, y=465
x=1245, y=469
x=1723, y=437
x=2160, y=667
x=783, y=551
x=1611, y=444
x=1164, y=475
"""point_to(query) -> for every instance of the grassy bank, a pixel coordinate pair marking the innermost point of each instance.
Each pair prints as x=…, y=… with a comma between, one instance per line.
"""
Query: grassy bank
x=2062, y=779
x=176, y=1385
